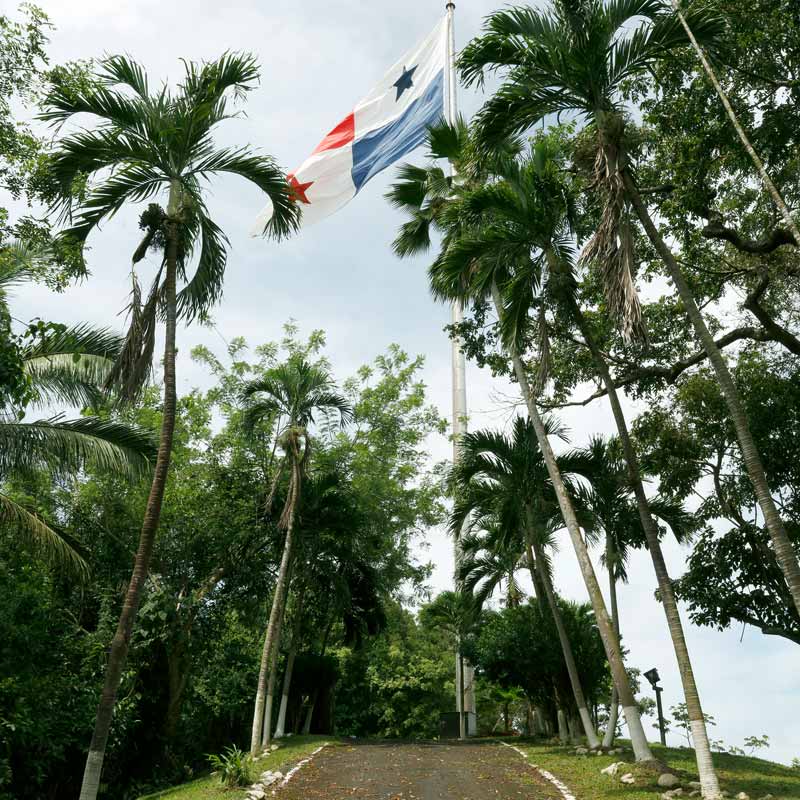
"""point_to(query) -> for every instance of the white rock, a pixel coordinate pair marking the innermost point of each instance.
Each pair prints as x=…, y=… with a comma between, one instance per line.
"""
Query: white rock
x=581, y=751
x=767, y=797
x=274, y=747
x=742, y=796
x=611, y=769
x=277, y=774
x=668, y=781
x=628, y=778
x=256, y=794
x=598, y=752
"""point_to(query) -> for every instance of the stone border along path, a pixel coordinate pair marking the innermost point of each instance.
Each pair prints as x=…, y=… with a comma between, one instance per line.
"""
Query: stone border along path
x=296, y=768
x=548, y=776
x=258, y=790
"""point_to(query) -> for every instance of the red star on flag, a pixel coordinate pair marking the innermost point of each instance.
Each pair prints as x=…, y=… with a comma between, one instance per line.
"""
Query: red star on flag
x=298, y=190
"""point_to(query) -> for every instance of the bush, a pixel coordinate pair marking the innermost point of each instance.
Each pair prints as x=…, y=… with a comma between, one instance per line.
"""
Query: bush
x=233, y=767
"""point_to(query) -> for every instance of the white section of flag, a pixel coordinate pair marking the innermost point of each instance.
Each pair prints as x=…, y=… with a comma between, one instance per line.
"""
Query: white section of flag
x=379, y=107
x=330, y=171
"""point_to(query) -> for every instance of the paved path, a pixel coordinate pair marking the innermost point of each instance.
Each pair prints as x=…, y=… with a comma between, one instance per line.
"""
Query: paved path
x=419, y=771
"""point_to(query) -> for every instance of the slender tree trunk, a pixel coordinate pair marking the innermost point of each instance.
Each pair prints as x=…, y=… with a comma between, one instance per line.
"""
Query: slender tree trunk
x=641, y=749
x=266, y=726
x=133, y=595
x=312, y=701
x=269, y=652
x=462, y=725
x=563, y=731
x=708, y=777
x=784, y=552
x=740, y=132
x=613, y=708
x=563, y=638
x=287, y=675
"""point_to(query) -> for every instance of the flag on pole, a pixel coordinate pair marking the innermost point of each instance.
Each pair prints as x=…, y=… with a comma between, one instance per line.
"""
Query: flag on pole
x=391, y=121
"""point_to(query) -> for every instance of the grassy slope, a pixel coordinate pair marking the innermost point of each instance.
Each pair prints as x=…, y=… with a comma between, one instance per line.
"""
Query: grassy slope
x=737, y=774
x=209, y=787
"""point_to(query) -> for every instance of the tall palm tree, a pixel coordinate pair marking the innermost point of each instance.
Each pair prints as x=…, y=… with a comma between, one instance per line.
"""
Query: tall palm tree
x=574, y=58
x=527, y=219
x=507, y=477
x=145, y=143
x=292, y=393
x=465, y=280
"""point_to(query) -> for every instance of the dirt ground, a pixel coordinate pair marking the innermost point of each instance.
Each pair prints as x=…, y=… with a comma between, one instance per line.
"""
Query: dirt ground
x=418, y=771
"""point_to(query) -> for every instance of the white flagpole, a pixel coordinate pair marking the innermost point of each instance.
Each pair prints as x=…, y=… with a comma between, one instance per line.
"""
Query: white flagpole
x=459, y=383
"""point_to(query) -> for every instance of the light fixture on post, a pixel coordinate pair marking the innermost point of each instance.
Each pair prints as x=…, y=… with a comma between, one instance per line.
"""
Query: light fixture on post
x=653, y=676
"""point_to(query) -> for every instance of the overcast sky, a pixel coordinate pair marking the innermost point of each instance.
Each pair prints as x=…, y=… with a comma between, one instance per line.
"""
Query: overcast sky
x=318, y=59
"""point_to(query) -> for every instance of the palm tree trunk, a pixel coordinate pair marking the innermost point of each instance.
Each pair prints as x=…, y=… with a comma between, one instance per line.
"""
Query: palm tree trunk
x=754, y=157
x=641, y=749
x=708, y=777
x=266, y=726
x=462, y=727
x=613, y=708
x=269, y=652
x=563, y=638
x=563, y=731
x=784, y=551
x=280, y=726
x=133, y=595
x=312, y=701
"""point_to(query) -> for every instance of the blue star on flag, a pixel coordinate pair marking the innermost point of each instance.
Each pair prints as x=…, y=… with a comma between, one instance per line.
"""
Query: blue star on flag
x=404, y=81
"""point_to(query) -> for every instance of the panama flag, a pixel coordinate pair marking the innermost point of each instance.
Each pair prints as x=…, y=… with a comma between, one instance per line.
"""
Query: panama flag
x=387, y=124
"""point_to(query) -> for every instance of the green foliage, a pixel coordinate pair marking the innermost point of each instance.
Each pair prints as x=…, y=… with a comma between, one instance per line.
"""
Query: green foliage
x=232, y=766
x=398, y=683
x=519, y=648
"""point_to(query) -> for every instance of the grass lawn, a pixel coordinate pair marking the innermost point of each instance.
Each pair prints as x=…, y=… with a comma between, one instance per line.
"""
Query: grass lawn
x=737, y=774
x=291, y=750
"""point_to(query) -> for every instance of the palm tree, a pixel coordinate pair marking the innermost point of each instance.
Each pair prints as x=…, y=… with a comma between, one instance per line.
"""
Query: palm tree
x=527, y=220
x=574, y=59
x=454, y=277
x=292, y=393
x=507, y=477
x=455, y=613
x=143, y=144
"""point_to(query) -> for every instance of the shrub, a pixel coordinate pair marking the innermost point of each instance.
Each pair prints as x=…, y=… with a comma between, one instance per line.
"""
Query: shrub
x=233, y=767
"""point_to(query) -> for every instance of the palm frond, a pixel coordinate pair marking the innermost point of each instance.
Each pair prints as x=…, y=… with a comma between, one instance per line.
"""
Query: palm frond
x=72, y=365
x=68, y=445
x=55, y=548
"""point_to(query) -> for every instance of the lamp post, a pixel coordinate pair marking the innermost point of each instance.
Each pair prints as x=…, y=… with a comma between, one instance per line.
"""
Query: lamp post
x=653, y=677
